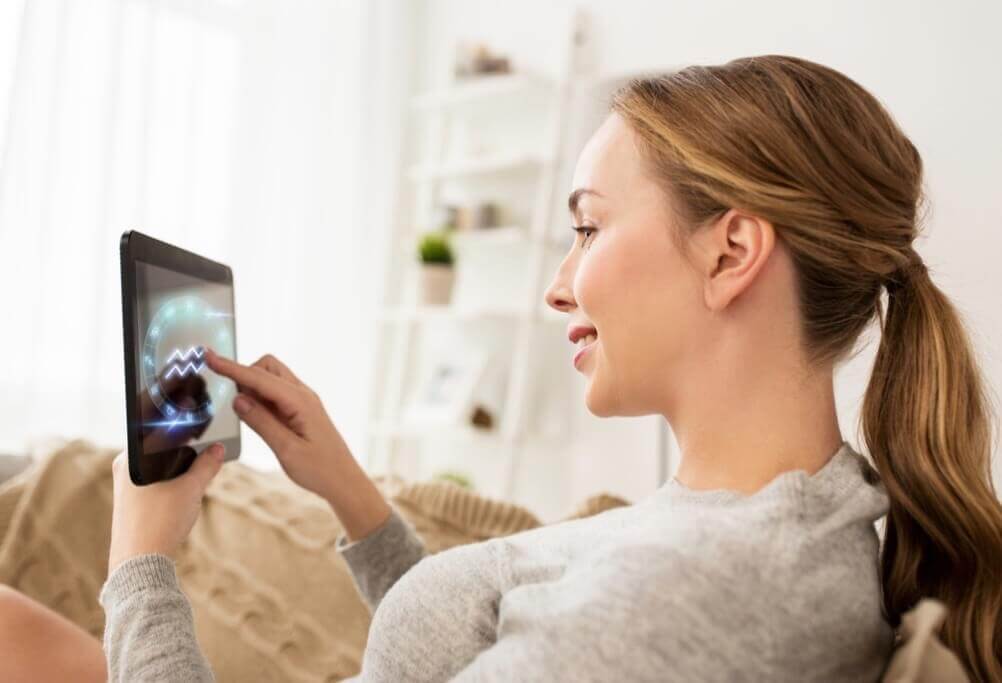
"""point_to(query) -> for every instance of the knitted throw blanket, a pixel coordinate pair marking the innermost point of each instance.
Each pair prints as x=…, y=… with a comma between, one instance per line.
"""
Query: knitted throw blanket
x=271, y=598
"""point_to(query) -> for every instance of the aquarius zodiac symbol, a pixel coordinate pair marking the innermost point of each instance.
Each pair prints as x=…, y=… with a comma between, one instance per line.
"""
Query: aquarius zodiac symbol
x=185, y=365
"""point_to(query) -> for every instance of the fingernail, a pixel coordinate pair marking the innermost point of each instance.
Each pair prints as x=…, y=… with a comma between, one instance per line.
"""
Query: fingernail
x=241, y=405
x=218, y=451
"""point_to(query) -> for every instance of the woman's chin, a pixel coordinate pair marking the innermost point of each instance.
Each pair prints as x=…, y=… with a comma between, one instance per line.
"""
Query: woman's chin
x=596, y=399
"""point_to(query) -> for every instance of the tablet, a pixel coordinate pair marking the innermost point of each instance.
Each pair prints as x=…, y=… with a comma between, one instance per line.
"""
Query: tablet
x=174, y=305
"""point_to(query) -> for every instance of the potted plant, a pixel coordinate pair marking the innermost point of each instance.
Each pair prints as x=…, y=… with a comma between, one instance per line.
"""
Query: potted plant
x=456, y=477
x=437, y=273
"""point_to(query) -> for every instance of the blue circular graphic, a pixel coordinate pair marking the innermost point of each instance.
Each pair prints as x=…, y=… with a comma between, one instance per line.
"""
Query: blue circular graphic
x=174, y=356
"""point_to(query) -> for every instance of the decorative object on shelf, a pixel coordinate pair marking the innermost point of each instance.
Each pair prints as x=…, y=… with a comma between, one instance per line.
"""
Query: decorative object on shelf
x=476, y=59
x=444, y=216
x=481, y=418
x=456, y=477
x=444, y=394
x=437, y=272
x=475, y=216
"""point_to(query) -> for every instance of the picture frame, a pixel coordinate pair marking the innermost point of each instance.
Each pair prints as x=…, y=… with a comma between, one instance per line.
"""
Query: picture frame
x=445, y=388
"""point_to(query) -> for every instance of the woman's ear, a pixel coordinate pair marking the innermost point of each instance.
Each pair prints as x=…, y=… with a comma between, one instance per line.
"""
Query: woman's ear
x=735, y=247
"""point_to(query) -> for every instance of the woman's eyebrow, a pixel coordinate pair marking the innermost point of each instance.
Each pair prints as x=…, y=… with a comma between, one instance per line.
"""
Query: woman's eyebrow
x=575, y=198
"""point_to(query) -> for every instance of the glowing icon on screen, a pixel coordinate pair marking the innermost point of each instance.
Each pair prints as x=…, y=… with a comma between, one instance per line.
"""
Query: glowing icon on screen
x=184, y=364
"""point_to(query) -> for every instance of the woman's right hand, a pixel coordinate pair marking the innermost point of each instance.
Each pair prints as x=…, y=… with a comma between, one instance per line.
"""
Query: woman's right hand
x=291, y=419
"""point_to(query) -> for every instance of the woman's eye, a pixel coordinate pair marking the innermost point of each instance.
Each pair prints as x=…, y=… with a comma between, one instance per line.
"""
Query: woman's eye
x=584, y=230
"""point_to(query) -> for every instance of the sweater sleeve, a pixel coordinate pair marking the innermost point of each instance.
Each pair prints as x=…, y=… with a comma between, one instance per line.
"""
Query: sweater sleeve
x=377, y=560
x=149, y=632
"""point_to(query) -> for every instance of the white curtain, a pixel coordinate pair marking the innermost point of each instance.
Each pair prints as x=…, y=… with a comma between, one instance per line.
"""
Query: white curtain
x=233, y=128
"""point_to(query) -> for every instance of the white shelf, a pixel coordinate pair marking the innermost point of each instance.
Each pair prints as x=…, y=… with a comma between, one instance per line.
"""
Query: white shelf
x=472, y=238
x=494, y=163
x=426, y=312
x=480, y=88
x=457, y=431
x=488, y=237
x=385, y=430
x=507, y=234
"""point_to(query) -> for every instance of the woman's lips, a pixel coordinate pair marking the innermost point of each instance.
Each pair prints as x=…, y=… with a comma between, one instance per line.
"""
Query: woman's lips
x=580, y=354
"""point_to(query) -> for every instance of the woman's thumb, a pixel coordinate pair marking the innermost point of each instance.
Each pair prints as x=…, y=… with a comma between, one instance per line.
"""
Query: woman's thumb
x=207, y=464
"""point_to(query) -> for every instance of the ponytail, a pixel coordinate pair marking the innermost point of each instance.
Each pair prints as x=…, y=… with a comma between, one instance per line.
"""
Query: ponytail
x=927, y=423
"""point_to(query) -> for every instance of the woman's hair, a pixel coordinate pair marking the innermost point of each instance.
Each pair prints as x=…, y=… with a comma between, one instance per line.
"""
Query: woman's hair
x=808, y=149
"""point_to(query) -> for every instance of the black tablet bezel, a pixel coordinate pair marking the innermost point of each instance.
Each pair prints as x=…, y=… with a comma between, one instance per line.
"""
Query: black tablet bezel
x=135, y=246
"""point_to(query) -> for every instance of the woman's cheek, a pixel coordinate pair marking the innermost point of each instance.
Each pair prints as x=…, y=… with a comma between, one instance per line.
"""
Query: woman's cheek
x=603, y=281
x=591, y=282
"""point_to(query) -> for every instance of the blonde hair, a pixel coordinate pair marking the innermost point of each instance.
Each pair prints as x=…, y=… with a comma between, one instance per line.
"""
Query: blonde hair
x=807, y=148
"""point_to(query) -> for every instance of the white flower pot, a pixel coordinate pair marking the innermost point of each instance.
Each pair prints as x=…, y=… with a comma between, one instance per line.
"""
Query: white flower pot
x=436, y=283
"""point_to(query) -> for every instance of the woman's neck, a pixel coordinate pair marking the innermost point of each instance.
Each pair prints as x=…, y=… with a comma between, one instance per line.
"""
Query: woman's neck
x=745, y=438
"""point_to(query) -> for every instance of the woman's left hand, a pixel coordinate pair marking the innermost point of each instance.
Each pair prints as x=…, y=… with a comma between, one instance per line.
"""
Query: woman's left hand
x=156, y=518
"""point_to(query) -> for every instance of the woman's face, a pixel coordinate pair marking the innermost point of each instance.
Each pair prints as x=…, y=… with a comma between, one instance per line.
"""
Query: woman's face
x=625, y=279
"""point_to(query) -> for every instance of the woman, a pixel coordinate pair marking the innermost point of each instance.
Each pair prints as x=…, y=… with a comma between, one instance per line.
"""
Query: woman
x=736, y=226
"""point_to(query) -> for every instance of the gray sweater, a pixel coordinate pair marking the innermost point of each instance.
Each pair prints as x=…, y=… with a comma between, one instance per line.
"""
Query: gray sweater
x=684, y=585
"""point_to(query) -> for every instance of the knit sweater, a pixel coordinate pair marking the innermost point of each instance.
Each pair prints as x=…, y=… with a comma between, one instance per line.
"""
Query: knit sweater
x=686, y=585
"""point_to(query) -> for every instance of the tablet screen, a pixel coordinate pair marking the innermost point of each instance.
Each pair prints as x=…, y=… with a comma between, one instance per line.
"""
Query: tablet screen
x=182, y=402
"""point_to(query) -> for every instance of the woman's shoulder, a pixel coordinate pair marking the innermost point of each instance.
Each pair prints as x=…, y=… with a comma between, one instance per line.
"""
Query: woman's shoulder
x=804, y=593
x=803, y=537
x=846, y=492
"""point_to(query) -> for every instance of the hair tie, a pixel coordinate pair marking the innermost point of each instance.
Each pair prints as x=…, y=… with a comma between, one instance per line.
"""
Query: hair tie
x=906, y=273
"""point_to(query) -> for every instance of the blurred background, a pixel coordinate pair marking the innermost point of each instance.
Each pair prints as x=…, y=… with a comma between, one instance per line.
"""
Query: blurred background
x=388, y=181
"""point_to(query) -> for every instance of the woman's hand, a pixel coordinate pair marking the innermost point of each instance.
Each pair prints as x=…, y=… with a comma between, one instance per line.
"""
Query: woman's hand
x=156, y=518
x=290, y=418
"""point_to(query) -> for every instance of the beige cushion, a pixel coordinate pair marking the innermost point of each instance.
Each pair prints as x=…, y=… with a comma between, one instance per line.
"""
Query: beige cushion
x=11, y=465
x=920, y=657
x=272, y=599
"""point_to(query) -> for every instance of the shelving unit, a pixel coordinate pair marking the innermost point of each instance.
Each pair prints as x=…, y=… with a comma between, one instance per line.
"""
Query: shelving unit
x=490, y=164
x=481, y=89
x=401, y=322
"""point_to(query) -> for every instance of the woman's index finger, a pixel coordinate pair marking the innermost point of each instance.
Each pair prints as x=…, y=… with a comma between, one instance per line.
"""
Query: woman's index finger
x=267, y=385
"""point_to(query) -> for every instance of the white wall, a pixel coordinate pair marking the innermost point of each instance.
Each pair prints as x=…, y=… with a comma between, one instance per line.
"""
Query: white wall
x=933, y=64
x=230, y=128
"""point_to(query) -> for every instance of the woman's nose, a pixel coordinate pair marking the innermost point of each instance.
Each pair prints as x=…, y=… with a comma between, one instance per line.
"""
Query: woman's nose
x=559, y=296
